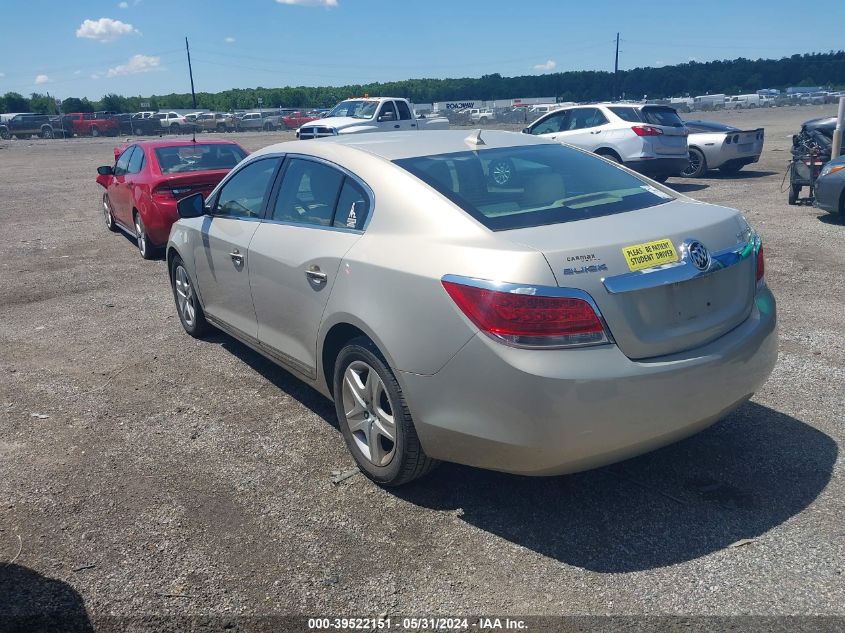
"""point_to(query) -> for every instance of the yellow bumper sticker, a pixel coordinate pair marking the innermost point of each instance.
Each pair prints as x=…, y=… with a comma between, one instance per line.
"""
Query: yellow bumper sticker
x=656, y=253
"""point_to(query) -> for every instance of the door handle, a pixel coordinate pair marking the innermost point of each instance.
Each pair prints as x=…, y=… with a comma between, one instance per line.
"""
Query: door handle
x=316, y=276
x=237, y=257
x=396, y=126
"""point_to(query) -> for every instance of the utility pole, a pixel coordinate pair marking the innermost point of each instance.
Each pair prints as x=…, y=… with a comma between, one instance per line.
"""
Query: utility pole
x=191, y=73
x=616, y=70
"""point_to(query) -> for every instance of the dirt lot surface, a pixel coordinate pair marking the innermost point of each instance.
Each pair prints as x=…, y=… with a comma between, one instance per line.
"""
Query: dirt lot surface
x=143, y=471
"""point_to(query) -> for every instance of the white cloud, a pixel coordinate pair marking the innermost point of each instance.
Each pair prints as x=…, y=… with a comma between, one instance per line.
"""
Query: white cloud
x=549, y=65
x=41, y=79
x=123, y=5
x=104, y=30
x=229, y=40
x=2, y=74
x=137, y=64
x=311, y=3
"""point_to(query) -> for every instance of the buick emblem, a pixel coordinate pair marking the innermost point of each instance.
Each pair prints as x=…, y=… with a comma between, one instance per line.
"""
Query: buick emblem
x=698, y=254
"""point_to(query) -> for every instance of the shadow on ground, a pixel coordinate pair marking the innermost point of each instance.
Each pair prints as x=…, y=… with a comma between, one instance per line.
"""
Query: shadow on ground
x=686, y=187
x=744, y=174
x=32, y=603
x=282, y=379
x=736, y=480
x=837, y=219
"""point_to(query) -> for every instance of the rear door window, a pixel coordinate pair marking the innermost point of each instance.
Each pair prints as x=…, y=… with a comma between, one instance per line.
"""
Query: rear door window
x=404, y=110
x=662, y=116
x=626, y=114
x=584, y=118
x=308, y=193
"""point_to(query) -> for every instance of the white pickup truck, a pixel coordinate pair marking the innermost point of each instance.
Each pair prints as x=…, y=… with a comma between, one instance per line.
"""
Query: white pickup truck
x=370, y=114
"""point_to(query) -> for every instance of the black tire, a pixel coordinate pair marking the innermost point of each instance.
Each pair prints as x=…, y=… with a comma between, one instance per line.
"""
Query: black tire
x=138, y=131
x=198, y=327
x=409, y=461
x=697, y=164
x=609, y=156
x=660, y=179
x=145, y=247
x=46, y=132
x=794, y=192
x=4, y=134
x=95, y=131
x=731, y=168
x=108, y=215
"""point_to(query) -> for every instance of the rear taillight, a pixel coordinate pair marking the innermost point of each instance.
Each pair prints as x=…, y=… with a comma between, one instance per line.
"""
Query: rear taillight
x=171, y=193
x=647, y=130
x=522, y=317
x=761, y=264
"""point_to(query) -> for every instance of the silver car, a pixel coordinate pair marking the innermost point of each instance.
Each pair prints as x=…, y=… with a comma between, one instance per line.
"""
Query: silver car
x=576, y=316
x=715, y=145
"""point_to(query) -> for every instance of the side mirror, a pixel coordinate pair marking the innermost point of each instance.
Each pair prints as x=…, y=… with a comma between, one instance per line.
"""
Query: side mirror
x=105, y=170
x=526, y=130
x=387, y=116
x=192, y=206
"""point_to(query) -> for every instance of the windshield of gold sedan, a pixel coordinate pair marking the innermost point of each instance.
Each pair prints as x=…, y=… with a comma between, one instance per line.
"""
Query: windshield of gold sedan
x=200, y=157
x=533, y=185
x=355, y=109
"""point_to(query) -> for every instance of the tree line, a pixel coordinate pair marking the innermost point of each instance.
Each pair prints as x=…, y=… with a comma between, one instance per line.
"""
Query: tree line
x=693, y=78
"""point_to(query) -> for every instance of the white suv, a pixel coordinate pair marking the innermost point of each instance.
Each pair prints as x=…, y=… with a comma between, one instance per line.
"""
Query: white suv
x=650, y=139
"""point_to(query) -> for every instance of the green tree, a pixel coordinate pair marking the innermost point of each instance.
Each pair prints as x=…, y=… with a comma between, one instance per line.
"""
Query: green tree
x=43, y=104
x=73, y=104
x=14, y=102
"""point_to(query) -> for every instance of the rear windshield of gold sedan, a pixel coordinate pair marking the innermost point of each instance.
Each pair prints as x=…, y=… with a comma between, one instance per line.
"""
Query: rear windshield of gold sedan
x=534, y=185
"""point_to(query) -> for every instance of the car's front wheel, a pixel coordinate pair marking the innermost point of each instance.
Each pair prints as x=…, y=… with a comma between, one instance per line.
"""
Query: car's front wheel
x=374, y=417
x=697, y=164
x=187, y=305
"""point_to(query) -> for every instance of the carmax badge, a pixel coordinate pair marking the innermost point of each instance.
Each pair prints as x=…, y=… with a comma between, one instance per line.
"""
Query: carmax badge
x=585, y=269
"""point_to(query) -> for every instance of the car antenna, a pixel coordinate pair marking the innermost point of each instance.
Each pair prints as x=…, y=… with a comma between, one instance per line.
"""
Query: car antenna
x=475, y=138
x=193, y=94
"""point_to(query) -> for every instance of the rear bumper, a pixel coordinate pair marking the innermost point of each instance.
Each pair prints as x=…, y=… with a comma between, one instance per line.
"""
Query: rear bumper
x=546, y=412
x=157, y=223
x=659, y=167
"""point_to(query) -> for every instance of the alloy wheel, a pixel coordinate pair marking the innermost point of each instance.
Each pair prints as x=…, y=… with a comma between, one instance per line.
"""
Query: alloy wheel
x=369, y=413
x=107, y=213
x=694, y=164
x=184, y=296
x=141, y=236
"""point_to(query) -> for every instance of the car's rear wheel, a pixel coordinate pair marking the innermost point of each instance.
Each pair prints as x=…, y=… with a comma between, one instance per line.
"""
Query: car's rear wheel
x=107, y=213
x=374, y=417
x=187, y=305
x=146, y=249
x=4, y=134
x=609, y=155
x=697, y=164
x=46, y=132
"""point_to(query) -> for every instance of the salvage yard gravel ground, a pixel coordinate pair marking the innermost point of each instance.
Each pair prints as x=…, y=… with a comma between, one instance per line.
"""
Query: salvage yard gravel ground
x=146, y=472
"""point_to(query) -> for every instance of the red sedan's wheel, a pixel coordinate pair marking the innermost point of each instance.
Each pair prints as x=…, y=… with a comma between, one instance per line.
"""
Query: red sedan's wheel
x=146, y=249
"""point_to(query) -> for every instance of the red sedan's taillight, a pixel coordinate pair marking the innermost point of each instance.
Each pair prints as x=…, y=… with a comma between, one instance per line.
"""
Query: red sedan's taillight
x=647, y=130
x=761, y=264
x=529, y=320
x=170, y=192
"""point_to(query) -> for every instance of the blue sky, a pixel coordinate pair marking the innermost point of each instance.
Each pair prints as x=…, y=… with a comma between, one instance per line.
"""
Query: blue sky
x=136, y=47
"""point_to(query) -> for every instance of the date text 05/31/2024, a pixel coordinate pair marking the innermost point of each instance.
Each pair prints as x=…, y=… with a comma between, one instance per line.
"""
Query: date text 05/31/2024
x=416, y=624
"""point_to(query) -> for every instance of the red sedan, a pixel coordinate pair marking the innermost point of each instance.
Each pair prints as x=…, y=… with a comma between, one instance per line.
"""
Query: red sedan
x=149, y=177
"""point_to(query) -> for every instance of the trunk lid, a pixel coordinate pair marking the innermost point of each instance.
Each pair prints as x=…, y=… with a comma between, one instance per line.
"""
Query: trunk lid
x=181, y=185
x=655, y=314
